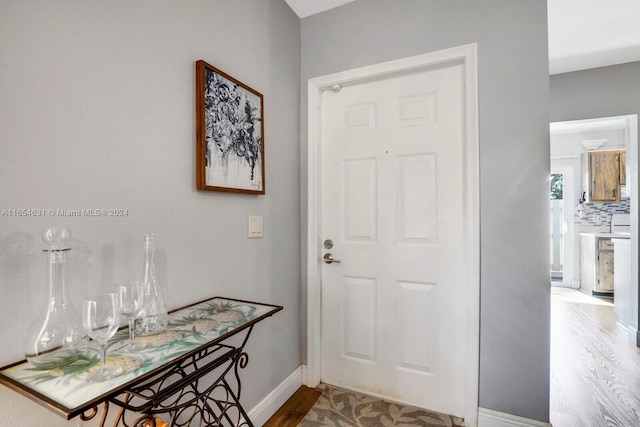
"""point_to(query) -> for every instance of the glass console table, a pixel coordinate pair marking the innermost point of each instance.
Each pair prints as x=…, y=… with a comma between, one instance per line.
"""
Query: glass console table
x=185, y=376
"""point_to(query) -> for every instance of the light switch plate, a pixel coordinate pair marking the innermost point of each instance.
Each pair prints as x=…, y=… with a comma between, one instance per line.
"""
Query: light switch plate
x=254, y=226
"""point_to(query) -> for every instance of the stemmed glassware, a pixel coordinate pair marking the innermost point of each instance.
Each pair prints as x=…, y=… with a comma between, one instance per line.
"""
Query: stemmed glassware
x=100, y=320
x=131, y=298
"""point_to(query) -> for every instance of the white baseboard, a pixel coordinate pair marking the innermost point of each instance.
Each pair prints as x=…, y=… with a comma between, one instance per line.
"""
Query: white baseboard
x=633, y=335
x=268, y=406
x=491, y=418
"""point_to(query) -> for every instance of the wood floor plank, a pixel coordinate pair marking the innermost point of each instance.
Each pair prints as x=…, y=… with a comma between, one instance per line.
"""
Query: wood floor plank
x=294, y=409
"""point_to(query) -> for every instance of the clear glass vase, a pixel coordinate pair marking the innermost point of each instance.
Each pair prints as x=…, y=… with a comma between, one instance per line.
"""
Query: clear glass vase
x=153, y=318
x=56, y=337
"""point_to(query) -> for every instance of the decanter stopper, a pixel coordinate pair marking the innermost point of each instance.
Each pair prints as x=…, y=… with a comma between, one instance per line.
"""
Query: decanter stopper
x=57, y=238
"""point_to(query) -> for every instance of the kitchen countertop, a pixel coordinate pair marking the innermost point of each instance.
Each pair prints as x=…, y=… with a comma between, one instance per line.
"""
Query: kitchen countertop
x=624, y=240
x=609, y=235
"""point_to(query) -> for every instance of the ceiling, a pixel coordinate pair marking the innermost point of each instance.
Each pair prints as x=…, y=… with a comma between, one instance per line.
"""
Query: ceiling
x=583, y=34
x=304, y=8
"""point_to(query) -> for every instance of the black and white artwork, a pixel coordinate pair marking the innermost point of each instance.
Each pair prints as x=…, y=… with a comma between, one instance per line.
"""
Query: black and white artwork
x=231, y=157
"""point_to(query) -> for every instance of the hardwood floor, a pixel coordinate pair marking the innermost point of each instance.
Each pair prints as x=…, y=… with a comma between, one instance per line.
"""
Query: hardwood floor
x=294, y=409
x=595, y=371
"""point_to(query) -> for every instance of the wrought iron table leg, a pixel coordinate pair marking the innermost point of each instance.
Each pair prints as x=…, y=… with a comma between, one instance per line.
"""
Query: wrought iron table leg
x=183, y=395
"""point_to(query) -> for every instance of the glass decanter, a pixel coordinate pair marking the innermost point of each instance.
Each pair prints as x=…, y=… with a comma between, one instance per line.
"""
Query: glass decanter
x=153, y=317
x=57, y=336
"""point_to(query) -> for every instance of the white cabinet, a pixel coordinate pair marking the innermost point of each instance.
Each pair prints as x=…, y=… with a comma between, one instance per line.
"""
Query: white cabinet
x=622, y=281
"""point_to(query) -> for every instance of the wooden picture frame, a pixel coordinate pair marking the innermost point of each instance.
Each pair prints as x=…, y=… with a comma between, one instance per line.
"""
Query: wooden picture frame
x=229, y=133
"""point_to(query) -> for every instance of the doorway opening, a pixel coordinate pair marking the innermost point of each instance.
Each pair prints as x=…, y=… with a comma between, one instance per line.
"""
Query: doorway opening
x=573, y=215
x=578, y=318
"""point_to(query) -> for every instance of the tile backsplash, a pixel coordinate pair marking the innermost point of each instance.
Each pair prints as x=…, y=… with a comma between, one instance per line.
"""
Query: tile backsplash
x=604, y=210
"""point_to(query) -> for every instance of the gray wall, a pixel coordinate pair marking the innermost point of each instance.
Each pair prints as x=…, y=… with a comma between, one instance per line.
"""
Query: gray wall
x=599, y=92
x=605, y=92
x=97, y=110
x=514, y=161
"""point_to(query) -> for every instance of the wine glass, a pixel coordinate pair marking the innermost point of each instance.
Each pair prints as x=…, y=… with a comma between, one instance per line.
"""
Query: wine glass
x=100, y=320
x=131, y=299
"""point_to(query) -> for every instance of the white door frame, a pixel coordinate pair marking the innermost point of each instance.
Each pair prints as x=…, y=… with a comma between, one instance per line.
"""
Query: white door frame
x=468, y=55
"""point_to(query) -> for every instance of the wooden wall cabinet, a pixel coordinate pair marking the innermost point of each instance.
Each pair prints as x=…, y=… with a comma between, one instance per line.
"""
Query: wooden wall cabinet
x=601, y=175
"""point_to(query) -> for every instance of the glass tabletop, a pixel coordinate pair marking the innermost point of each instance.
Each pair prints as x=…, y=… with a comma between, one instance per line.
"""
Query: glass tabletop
x=60, y=381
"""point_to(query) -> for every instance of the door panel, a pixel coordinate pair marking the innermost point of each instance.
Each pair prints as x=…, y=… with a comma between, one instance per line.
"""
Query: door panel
x=359, y=314
x=359, y=200
x=417, y=349
x=417, y=204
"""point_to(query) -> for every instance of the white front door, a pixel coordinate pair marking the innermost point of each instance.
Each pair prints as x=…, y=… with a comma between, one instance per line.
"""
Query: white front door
x=393, y=204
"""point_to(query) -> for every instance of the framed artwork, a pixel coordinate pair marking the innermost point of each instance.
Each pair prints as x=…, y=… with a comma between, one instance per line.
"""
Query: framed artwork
x=229, y=133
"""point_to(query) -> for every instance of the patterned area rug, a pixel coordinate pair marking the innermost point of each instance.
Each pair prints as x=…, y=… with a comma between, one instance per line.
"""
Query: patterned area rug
x=342, y=408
